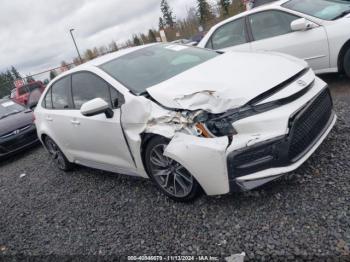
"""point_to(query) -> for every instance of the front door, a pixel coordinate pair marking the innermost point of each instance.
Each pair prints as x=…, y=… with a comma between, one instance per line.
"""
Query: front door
x=271, y=31
x=98, y=141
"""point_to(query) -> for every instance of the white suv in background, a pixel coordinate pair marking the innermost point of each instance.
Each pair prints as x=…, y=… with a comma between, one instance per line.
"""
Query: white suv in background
x=317, y=31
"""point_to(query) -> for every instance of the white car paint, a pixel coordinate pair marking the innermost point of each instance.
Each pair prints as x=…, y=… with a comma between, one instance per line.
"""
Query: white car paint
x=320, y=45
x=115, y=144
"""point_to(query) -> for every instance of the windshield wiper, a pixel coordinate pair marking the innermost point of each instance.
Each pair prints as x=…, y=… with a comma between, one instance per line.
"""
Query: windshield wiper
x=344, y=13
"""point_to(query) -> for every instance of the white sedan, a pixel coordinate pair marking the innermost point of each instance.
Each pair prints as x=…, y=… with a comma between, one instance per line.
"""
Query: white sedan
x=317, y=31
x=186, y=117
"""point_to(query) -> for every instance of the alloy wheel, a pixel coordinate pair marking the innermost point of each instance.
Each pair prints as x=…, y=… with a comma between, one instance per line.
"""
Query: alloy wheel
x=169, y=174
x=55, y=154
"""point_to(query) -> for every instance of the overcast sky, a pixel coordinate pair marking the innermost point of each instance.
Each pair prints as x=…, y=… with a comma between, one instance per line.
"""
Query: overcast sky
x=35, y=33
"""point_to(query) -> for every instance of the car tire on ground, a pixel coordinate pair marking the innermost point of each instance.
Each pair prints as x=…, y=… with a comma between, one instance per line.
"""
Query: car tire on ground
x=346, y=63
x=170, y=177
x=57, y=155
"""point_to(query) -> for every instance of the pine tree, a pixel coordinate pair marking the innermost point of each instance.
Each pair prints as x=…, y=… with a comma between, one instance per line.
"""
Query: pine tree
x=225, y=7
x=167, y=12
x=152, y=36
x=136, y=40
x=53, y=74
x=204, y=12
x=161, y=24
x=15, y=73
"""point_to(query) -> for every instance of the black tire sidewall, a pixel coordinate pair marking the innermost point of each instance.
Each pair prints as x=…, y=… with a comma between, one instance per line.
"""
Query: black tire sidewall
x=347, y=63
x=150, y=145
x=67, y=164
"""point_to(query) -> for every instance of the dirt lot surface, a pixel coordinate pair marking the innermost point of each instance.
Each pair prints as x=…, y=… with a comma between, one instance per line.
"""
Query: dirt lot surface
x=306, y=215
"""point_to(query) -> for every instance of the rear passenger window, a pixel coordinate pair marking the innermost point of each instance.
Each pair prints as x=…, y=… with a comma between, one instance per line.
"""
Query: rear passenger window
x=61, y=93
x=87, y=86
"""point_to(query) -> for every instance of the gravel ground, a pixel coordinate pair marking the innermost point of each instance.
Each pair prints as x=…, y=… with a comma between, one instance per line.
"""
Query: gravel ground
x=88, y=212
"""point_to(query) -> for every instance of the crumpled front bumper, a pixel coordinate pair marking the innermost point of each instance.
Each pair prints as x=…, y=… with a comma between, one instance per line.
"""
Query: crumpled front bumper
x=221, y=167
x=270, y=171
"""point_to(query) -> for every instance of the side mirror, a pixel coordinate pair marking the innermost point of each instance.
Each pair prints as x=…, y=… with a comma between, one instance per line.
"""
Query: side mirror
x=301, y=24
x=95, y=107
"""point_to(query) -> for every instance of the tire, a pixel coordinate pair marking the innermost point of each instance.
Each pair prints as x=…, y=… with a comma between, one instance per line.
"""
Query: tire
x=170, y=177
x=346, y=63
x=57, y=155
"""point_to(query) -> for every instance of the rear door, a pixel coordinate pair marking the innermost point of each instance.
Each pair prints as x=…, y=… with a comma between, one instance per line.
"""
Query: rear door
x=58, y=107
x=230, y=36
x=271, y=31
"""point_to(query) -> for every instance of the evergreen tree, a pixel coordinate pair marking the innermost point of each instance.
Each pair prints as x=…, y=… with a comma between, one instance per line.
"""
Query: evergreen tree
x=15, y=73
x=204, y=12
x=161, y=24
x=136, y=40
x=225, y=7
x=167, y=12
x=152, y=36
x=53, y=74
x=9, y=77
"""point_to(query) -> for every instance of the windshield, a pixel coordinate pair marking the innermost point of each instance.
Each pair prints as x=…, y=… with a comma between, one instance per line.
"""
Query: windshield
x=152, y=65
x=8, y=107
x=323, y=9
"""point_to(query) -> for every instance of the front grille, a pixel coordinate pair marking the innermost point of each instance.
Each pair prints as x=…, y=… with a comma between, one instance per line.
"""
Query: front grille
x=306, y=126
x=20, y=141
x=309, y=123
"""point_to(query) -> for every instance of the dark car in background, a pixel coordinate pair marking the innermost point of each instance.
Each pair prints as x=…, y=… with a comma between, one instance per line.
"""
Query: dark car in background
x=17, y=128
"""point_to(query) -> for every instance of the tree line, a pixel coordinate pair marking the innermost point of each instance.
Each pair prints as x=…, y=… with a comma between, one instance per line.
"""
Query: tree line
x=7, y=79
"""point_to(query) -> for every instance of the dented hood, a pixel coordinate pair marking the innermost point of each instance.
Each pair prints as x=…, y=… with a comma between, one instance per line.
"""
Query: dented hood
x=226, y=82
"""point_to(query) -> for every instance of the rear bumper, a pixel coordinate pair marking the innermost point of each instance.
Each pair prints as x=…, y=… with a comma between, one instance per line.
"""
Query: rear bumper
x=281, y=166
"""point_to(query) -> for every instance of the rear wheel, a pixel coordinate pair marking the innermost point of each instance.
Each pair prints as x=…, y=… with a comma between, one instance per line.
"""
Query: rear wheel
x=57, y=155
x=170, y=177
x=346, y=63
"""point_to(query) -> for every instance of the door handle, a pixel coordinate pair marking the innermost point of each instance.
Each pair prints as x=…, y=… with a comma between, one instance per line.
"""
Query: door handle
x=49, y=118
x=75, y=122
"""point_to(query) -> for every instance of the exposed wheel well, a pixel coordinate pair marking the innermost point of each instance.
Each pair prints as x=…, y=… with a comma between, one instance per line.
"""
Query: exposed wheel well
x=342, y=53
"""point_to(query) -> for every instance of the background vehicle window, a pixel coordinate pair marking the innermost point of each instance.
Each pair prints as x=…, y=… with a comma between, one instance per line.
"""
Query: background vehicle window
x=60, y=94
x=86, y=86
x=270, y=24
x=22, y=90
x=47, y=100
x=230, y=34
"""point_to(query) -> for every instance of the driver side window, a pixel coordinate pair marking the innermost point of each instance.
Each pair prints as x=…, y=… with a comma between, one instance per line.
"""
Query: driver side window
x=230, y=34
x=87, y=86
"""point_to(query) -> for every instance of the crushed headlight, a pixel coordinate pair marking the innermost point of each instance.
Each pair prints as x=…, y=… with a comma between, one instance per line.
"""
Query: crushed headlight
x=210, y=126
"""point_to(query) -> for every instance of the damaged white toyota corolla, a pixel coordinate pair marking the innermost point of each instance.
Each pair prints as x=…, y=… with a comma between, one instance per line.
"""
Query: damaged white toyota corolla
x=186, y=117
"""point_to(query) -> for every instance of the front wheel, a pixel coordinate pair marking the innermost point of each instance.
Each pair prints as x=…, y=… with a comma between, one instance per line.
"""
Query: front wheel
x=347, y=63
x=169, y=176
x=57, y=155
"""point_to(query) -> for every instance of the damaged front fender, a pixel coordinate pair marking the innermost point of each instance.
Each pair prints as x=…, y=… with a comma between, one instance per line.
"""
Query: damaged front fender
x=204, y=158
